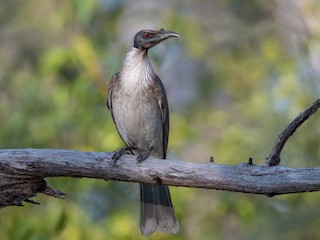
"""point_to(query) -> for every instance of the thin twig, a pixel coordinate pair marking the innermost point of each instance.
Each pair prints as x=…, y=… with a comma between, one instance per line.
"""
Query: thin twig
x=274, y=157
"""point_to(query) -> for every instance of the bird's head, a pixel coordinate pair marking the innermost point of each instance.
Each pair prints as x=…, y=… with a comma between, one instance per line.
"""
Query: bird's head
x=146, y=39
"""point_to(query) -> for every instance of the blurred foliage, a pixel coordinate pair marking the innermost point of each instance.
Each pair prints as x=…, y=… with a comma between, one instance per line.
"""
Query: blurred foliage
x=240, y=72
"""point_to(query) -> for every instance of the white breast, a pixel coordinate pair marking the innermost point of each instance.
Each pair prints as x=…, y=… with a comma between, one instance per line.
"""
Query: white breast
x=137, y=71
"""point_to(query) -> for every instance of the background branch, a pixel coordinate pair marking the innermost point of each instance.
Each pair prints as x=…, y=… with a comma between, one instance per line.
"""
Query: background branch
x=22, y=173
x=274, y=157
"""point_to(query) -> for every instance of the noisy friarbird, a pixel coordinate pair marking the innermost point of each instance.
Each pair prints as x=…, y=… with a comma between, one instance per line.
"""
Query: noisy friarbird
x=138, y=104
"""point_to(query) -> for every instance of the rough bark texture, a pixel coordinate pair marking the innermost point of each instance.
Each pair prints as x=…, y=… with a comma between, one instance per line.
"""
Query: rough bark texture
x=22, y=173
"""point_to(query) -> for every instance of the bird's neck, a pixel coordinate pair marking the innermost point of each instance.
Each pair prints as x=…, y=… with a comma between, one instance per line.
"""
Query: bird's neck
x=137, y=71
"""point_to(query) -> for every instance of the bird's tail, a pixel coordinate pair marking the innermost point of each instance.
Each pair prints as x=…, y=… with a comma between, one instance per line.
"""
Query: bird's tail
x=156, y=210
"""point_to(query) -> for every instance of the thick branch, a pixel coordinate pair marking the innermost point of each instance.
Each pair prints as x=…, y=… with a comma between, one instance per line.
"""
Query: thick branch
x=274, y=157
x=22, y=173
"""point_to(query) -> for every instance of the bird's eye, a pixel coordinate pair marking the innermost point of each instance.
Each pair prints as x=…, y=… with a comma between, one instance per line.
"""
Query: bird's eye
x=146, y=35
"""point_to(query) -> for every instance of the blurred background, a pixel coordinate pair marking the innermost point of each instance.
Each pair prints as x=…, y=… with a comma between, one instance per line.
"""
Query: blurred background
x=241, y=71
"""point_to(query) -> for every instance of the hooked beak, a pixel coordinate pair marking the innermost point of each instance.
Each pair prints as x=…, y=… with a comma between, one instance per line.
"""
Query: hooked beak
x=160, y=36
x=165, y=34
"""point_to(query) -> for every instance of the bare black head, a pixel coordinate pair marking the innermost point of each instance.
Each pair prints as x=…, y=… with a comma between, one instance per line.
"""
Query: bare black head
x=146, y=39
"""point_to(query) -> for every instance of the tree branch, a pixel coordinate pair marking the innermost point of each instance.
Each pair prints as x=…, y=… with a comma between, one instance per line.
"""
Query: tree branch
x=22, y=173
x=274, y=157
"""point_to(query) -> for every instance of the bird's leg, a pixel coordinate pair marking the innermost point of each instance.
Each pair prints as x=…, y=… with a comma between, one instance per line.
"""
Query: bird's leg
x=144, y=156
x=118, y=154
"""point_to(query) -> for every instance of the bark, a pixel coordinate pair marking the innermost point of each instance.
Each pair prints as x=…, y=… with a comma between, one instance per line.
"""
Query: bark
x=22, y=173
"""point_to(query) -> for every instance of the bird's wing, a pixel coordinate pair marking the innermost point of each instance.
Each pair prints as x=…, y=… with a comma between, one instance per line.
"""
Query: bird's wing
x=109, y=94
x=164, y=108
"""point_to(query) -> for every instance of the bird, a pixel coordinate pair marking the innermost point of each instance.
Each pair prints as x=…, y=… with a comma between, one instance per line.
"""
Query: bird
x=138, y=104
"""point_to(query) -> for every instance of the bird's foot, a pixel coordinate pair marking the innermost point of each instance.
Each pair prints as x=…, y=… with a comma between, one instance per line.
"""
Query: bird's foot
x=117, y=155
x=141, y=158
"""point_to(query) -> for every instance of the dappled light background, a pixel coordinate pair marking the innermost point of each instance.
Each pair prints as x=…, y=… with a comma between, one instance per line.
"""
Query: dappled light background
x=241, y=71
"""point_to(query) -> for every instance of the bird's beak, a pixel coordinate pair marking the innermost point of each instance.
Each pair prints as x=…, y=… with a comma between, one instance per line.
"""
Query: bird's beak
x=165, y=34
x=160, y=36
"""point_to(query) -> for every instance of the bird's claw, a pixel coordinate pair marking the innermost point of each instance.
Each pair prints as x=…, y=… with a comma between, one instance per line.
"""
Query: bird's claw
x=117, y=155
x=142, y=157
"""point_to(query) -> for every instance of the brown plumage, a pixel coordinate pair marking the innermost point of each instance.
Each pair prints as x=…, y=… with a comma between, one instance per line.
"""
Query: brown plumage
x=138, y=104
